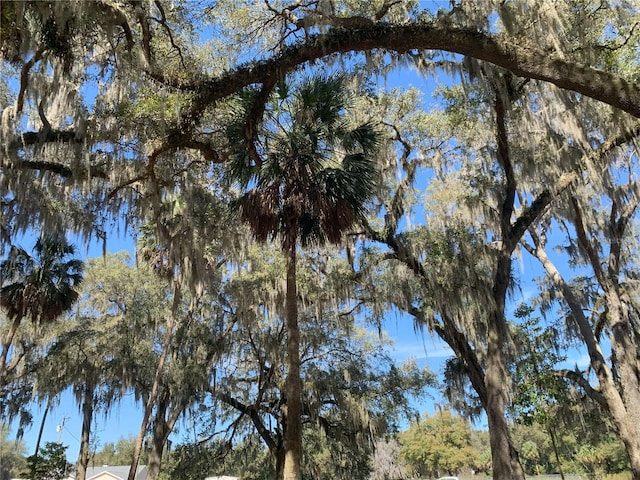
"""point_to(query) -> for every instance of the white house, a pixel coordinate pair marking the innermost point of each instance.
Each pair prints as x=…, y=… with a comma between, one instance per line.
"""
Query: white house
x=107, y=472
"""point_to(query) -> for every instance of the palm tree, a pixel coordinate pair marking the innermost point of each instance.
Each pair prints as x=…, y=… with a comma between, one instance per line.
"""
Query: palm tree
x=306, y=181
x=40, y=287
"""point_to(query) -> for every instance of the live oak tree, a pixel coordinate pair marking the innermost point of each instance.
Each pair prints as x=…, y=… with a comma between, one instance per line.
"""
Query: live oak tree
x=601, y=303
x=184, y=244
x=105, y=347
x=117, y=343
x=443, y=274
x=437, y=445
x=77, y=360
x=485, y=194
x=111, y=335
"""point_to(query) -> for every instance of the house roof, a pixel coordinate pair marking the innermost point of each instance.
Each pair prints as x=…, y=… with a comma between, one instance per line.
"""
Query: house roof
x=116, y=472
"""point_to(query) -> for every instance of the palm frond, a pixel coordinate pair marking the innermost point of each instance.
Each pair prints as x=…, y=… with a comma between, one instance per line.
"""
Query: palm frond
x=260, y=210
x=43, y=286
x=365, y=138
x=317, y=173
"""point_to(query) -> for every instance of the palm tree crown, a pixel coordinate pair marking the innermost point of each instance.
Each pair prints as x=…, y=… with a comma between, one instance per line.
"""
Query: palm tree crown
x=40, y=287
x=316, y=173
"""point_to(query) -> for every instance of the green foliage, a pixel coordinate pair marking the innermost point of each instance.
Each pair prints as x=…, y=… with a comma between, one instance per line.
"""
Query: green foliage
x=536, y=382
x=128, y=310
x=330, y=457
x=530, y=456
x=12, y=453
x=109, y=342
x=50, y=464
x=118, y=453
x=192, y=461
x=43, y=286
x=438, y=445
x=248, y=460
x=606, y=456
x=481, y=445
x=582, y=445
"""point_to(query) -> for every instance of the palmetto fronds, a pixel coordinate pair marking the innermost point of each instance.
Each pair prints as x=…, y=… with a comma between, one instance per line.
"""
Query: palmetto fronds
x=40, y=287
x=316, y=172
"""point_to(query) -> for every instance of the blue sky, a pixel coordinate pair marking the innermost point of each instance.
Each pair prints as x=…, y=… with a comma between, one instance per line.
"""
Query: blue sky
x=64, y=421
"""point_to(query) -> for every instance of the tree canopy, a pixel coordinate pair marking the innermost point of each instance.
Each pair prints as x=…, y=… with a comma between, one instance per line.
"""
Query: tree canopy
x=130, y=116
x=120, y=99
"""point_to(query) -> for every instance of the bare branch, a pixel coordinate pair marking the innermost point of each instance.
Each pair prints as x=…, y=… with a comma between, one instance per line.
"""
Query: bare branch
x=24, y=79
x=163, y=21
x=386, y=6
x=58, y=168
x=577, y=378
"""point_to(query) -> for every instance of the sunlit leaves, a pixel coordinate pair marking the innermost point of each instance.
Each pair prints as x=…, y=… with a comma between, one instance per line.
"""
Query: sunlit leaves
x=437, y=445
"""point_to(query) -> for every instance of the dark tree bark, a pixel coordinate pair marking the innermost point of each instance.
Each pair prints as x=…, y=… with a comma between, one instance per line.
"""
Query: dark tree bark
x=87, y=417
x=500, y=50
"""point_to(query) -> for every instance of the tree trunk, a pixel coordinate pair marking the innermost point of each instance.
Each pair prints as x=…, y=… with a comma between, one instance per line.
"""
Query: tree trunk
x=498, y=433
x=478, y=378
x=6, y=345
x=627, y=418
x=293, y=383
x=554, y=445
x=167, y=414
x=44, y=419
x=504, y=457
x=156, y=383
x=87, y=416
x=489, y=384
x=160, y=435
x=279, y=458
x=148, y=408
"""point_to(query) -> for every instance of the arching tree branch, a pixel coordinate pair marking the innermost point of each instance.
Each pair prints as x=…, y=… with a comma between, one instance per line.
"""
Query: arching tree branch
x=524, y=61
